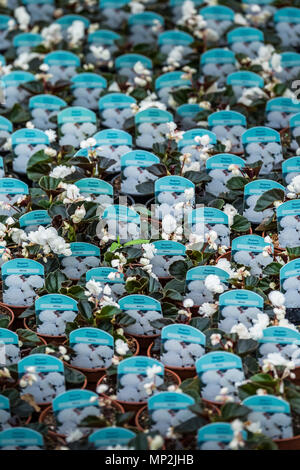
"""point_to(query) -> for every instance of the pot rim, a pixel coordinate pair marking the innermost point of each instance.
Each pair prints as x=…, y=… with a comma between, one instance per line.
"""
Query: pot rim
x=11, y=314
x=41, y=334
x=17, y=306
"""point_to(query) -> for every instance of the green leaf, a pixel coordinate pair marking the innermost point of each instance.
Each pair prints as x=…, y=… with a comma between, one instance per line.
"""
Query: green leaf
x=48, y=183
x=201, y=324
x=280, y=88
x=295, y=404
x=86, y=309
x=140, y=442
x=161, y=322
x=197, y=176
x=175, y=284
x=160, y=149
x=125, y=320
x=173, y=294
x=263, y=379
x=109, y=311
x=35, y=87
x=76, y=292
x=231, y=411
x=38, y=165
x=178, y=269
x=272, y=269
x=236, y=182
x=217, y=203
x=73, y=377
x=136, y=286
x=169, y=309
x=191, y=387
x=158, y=169
x=4, y=321
x=124, y=418
x=145, y=188
x=28, y=336
x=54, y=281
x=30, y=311
x=181, y=95
x=251, y=366
x=267, y=198
x=246, y=346
x=114, y=246
x=136, y=242
x=240, y=224
x=191, y=425
x=18, y=114
x=293, y=252
x=58, y=209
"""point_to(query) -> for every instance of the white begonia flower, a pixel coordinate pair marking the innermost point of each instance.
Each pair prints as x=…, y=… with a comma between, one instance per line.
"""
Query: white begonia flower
x=256, y=331
x=153, y=371
x=93, y=287
x=72, y=194
x=61, y=171
x=76, y=32
x=294, y=186
x=29, y=125
x=240, y=19
x=74, y=436
x=189, y=193
x=18, y=235
x=136, y=7
x=22, y=17
x=52, y=34
x=44, y=67
x=230, y=211
x=107, y=290
x=149, y=250
x=241, y=330
x=51, y=134
x=144, y=261
x=235, y=170
x=169, y=224
x=78, y=215
x=50, y=152
x=140, y=81
x=188, y=303
x=88, y=143
x=121, y=347
x=156, y=442
x=140, y=69
x=102, y=388
x=211, y=237
x=237, y=441
x=9, y=221
x=49, y=240
x=112, y=276
x=277, y=298
x=100, y=52
x=207, y=309
x=224, y=264
x=115, y=263
x=276, y=62
x=215, y=339
x=277, y=359
x=255, y=428
x=213, y=284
